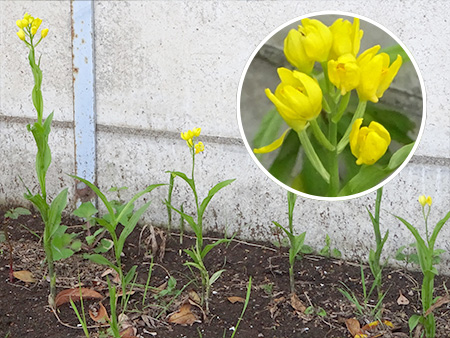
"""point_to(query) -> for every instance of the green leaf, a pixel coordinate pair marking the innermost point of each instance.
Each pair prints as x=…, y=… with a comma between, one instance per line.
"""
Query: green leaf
x=129, y=226
x=16, y=212
x=99, y=259
x=122, y=217
x=208, y=247
x=104, y=246
x=395, y=50
x=215, y=276
x=370, y=175
x=54, y=214
x=211, y=194
x=306, y=249
x=413, y=321
x=321, y=312
x=85, y=210
x=61, y=243
x=309, y=310
x=76, y=245
x=336, y=253
x=268, y=130
x=188, y=219
x=188, y=180
x=284, y=163
x=100, y=195
x=437, y=229
x=129, y=277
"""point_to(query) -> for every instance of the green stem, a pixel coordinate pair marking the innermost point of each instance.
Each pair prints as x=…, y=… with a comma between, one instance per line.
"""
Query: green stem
x=333, y=161
x=292, y=279
x=359, y=113
x=320, y=136
x=342, y=107
x=51, y=272
x=312, y=155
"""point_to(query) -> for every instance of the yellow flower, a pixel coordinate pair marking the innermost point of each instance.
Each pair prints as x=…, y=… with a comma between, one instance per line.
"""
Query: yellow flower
x=425, y=200
x=22, y=23
x=21, y=34
x=346, y=38
x=28, y=17
x=316, y=39
x=199, y=147
x=44, y=32
x=376, y=74
x=196, y=131
x=187, y=135
x=344, y=73
x=368, y=144
x=35, y=25
x=295, y=53
x=298, y=98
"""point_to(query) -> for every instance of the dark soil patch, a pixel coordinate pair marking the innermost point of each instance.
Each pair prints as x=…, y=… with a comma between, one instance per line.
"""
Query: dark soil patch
x=24, y=311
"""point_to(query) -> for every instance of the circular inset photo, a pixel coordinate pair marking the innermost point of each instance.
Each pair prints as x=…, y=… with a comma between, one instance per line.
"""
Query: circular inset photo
x=331, y=106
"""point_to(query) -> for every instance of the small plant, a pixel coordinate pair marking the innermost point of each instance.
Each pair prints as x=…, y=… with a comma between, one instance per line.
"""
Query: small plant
x=296, y=242
x=375, y=256
x=199, y=251
x=4, y=236
x=125, y=216
x=311, y=310
x=247, y=300
x=56, y=241
x=327, y=251
x=426, y=254
x=364, y=309
x=80, y=316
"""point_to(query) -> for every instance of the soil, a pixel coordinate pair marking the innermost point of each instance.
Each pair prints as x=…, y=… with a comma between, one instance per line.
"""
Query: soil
x=24, y=311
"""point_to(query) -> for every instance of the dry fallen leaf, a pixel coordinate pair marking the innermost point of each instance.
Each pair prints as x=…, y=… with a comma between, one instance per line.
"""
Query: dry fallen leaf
x=129, y=332
x=402, y=300
x=98, y=313
x=74, y=294
x=441, y=301
x=297, y=304
x=183, y=316
x=235, y=299
x=353, y=326
x=24, y=276
x=194, y=296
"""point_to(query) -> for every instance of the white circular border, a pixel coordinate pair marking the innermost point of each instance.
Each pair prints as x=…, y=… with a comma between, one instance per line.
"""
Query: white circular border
x=323, y=198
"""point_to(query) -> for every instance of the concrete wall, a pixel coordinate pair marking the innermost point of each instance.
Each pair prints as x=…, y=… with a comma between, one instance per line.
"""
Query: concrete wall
x=166, y=66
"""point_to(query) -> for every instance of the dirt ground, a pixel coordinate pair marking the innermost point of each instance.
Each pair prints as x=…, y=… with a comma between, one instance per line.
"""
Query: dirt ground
x=270, y=313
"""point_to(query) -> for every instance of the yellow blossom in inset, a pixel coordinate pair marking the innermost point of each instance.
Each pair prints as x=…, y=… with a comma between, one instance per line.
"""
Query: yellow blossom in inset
x=346, y=38
x=298, y=98
x=35, y=25
x=376, y=74
x=28, y=17
x=22, y=23
x=295, y=53
x=344, y=73
x=317, y=39
x=368, y=144
x=425, y=200
x=44, y=32
x=21, y=34
x=196, y=131
x=199, y=147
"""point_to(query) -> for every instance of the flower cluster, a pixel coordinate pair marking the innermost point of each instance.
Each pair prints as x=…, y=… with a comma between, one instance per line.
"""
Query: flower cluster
x=299, y=98
x=189, y=136
x=425, y=200
x=29, y=27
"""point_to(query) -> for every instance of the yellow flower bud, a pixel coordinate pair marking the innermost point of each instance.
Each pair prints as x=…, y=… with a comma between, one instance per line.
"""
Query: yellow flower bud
x=368, y=144
x=425, y=200
x=316, y=39
x=199, y=147
x=295, y=53
x=20, y=24
x=298, y=98
x=344, y=73
x=44, y=32
x=24, y=23
x=21, y=34
x=28, y=17
x=196, y=132
x=376, y=74
x=346, y=38
x=33, y=30
x=36, y=23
